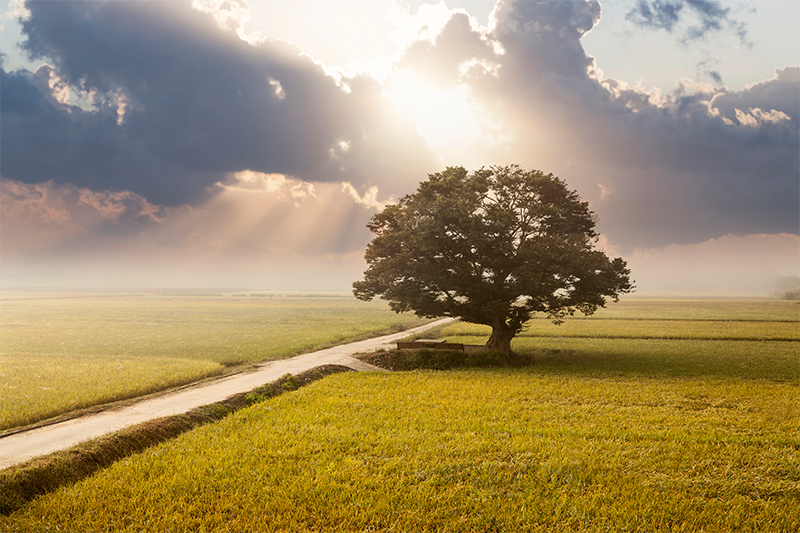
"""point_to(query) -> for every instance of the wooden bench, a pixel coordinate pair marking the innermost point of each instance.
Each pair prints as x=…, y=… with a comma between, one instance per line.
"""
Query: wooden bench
x=431, y=344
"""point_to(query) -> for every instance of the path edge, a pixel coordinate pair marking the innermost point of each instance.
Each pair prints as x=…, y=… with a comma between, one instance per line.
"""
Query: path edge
x=21, y=483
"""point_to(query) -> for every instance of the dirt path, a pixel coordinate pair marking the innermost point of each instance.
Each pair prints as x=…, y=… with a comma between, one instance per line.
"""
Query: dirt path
x=19, y=447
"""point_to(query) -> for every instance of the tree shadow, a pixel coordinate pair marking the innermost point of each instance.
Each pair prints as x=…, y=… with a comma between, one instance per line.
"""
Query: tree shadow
x=595, y=357
x=694, y=362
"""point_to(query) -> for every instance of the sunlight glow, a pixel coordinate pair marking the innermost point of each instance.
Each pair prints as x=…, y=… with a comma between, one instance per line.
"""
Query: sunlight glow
x=446, y=118
x=426, y=23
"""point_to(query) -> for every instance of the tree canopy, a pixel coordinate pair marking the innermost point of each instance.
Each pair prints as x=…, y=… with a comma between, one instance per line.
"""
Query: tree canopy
x=491, y=247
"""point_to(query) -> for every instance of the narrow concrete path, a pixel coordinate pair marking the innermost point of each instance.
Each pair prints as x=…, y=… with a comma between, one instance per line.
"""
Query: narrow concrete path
x=20, y=447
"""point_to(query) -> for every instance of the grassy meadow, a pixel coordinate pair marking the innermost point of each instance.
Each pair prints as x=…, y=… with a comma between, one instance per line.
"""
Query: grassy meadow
x=61, y=352
x=671, y=431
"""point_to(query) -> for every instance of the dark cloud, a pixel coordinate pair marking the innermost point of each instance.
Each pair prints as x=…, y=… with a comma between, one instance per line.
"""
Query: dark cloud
x=544, y=37
x=667, y=15
x=686, y=167
x=707, y=69
x=179, y=103
x=659, y=15
x=779, y=93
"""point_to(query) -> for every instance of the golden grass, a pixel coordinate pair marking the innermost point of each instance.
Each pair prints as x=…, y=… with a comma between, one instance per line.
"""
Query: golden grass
x=463, y=451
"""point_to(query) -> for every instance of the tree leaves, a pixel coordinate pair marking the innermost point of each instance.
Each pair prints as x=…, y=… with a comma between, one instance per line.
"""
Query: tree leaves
x=491, y=247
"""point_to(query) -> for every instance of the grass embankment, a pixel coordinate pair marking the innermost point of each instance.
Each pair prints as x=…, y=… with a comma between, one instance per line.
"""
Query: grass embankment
x=61, y=354
x=22, y=483
x=593, y=437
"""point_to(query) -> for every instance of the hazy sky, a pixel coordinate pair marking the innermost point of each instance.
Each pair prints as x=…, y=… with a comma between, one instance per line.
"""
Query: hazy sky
x=227, y=144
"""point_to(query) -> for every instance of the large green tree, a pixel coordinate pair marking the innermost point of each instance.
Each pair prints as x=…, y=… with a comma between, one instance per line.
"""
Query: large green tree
x=491, y=247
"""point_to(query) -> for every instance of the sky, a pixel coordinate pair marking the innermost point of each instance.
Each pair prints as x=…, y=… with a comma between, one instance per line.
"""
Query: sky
x=219, y=143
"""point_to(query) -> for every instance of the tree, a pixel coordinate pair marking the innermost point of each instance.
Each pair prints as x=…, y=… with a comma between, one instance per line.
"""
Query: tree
x=491, y=247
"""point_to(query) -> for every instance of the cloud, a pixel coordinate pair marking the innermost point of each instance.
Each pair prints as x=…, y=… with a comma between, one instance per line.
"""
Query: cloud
x=543, y=38
x=667, y=15
x=707, y=69
x=658, y=16
x=368, y=199
x=458, y=46
x=250, y=214
x=63, y=219
x=179, y=100
x=158, y=128
x=779, y=93
x=62, y=204
x=684, y=167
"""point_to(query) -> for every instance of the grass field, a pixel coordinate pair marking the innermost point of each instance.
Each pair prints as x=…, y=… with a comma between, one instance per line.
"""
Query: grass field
x=601, y=434
x=464, y=451
x=60, y=353
x=669, y=319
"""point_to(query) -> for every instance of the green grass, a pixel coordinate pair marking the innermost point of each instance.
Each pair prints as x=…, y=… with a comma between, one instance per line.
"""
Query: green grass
x=226, y=330
x=34, y=388
x=667, y=319
x=505, y=450
x=62, y=353
x=646, y=329
x=659, y=357
x=751, y=309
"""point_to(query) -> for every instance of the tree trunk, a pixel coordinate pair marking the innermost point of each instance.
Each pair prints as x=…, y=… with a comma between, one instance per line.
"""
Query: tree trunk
x=500, y=340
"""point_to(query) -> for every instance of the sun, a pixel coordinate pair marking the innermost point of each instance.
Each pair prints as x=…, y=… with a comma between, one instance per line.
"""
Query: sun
x=446, y=118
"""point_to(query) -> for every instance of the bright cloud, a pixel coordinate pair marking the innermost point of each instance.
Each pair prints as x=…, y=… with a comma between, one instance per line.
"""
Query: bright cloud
x=368, y=199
